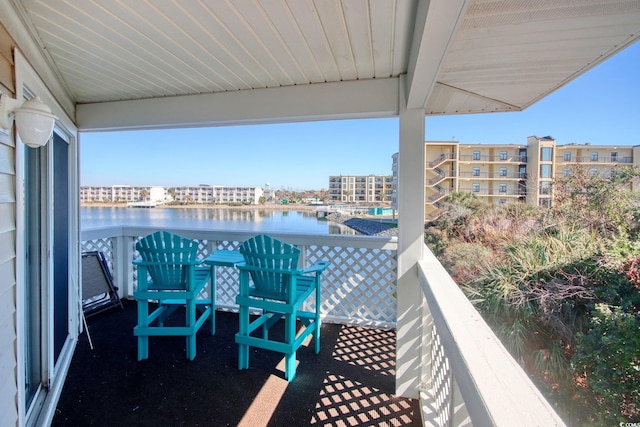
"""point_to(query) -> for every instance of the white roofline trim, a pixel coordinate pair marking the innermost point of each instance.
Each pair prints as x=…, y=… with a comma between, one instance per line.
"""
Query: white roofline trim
x=435, y=25
x=325, y=101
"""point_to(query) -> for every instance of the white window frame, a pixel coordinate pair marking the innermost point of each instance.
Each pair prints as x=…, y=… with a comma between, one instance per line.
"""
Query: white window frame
x=42, y=408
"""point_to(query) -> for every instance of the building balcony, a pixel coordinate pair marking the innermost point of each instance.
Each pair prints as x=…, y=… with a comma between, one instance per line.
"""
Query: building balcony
x=493, y=192
x=492, y=175
x=596, y=161
x=492, y=159
x=466, y=375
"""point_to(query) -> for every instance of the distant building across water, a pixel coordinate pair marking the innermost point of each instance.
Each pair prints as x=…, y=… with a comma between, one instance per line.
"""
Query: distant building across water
x=200, y=194
x=364, y=189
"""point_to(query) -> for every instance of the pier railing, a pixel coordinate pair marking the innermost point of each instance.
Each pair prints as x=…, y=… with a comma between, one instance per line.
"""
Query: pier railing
x=467, y=377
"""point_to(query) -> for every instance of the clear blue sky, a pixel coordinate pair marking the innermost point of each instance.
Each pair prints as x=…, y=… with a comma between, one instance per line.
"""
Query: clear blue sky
x=601, y=107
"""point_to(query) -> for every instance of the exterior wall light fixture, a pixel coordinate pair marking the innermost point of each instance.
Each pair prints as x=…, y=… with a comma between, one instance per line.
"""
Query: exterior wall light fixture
x=34, y=121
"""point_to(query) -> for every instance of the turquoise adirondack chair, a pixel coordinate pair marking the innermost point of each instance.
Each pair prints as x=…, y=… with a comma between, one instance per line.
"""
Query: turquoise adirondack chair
x=277, y=289
x=170, y=274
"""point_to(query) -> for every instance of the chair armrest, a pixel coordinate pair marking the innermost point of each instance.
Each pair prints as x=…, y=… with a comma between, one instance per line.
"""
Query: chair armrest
x=140, y=261
x=318, y=267
x=245, y=267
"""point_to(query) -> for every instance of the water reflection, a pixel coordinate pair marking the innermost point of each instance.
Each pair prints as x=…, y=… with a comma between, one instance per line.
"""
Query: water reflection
x=259, y=220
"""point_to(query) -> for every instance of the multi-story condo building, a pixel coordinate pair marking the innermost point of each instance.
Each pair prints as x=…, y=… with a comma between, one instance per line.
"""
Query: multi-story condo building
x=201, y=194
x=217, y=194
x=505, y=173
x=227, y=194
x=121, y=193
x=96, y=194
x=360, y=189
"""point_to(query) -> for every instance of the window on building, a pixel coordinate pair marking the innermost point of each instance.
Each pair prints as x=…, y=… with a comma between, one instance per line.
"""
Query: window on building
x=502, y=188
x=503, y=155
x=545, y=171
x=476, y=155
x=546, y=154
x=545, y=202
x=567, y=157
x=476, y=171
x=475, y=188
x=523, y=154
x=503, y=171
x=545, y=187
x=566, y=172
x=614, y=156
x=502, y=201
x=593, y=171
x=594, y=157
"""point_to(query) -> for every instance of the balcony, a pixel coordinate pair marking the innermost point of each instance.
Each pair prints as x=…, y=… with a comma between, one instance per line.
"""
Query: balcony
x=351, y=379
x=492, y=192
x=466, y=373
x=492, y=158
x=493, y=175
x=595, y=160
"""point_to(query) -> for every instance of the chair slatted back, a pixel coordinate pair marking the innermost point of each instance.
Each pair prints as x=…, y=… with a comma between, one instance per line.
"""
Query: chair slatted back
x=276, y=261
x=169, y=258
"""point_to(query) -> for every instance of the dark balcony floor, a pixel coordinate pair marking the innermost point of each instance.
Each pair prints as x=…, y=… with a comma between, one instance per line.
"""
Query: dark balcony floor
x=351, y=381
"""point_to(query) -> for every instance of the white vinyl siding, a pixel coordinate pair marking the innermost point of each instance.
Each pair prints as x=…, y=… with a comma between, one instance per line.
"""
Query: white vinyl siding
x=8, y=387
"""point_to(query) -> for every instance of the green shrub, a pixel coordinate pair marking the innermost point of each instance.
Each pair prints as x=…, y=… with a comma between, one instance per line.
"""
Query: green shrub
x=608, y=355
x=464, y=261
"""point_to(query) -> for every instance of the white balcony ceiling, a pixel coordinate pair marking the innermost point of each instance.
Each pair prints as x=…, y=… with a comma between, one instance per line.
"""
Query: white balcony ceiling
x=459, y=56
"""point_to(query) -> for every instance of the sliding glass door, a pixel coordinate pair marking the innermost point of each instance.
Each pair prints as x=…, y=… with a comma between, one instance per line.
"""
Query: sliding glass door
x=60, y=253
x=46, y=211
x=35, y=273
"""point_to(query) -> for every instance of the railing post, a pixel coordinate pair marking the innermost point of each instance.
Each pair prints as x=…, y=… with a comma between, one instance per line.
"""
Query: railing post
x=411, y=176
x=123, y=268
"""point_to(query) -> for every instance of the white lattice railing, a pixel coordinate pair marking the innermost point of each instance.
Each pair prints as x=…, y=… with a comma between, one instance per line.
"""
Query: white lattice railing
x=468, y=377
x=357, y=288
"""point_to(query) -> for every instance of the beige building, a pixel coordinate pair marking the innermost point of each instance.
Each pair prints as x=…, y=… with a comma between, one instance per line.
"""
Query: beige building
x=506, y=173
x=368, y=189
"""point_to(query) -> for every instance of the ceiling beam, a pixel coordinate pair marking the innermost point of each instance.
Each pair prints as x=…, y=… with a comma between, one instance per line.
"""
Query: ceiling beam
x=323, y=101
x=435, y=25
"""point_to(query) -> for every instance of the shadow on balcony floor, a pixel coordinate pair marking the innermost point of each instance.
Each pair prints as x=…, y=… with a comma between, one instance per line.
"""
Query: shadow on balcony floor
x=349, y=383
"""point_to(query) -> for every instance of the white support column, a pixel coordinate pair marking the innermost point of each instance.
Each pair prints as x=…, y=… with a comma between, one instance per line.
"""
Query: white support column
x=122, y=265
x=410, y=247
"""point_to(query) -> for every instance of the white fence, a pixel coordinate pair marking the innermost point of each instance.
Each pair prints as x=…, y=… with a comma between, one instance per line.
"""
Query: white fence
x=467, y=376
x=357, y=288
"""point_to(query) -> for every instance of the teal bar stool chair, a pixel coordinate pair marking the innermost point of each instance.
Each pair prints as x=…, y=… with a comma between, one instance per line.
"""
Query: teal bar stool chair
x=170, y=275
x=272, y=285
